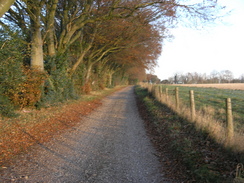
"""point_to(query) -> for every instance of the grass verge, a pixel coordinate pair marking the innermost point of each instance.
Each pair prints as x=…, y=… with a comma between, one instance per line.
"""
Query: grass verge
x=188, y=154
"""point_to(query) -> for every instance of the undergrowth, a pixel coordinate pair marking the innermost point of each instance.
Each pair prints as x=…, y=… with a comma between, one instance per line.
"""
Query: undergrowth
x=203, y=159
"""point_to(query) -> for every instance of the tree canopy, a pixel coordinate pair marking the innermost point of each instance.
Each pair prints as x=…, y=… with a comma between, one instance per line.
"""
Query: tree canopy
x=76, y=46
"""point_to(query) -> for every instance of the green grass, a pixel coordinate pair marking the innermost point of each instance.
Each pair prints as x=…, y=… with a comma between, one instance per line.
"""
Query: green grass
x=186, y=143
x=215, y=98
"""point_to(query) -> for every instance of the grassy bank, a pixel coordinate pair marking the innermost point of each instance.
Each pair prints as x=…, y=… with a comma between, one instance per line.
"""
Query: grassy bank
x=199, y=158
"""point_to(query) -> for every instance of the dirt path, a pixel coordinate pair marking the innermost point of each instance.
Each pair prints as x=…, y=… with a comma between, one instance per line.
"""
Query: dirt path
x=109, y=146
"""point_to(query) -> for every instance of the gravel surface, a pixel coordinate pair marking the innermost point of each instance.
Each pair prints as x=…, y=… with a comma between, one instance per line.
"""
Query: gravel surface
x=110, y=145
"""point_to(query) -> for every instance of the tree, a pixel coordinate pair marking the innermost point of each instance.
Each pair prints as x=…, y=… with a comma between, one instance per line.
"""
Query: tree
x=153, y=78
x=83, y=40
x=226, y=76
x=214, y=76
x=51, y=8
x=136, y=74
x=27, y=16
x=62, y=21
x=34, y=11
x=242, y=78
x=132, y=43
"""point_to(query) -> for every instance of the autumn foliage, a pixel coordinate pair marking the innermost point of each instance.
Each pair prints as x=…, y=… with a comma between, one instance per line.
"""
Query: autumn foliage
x=37, y=127
x=29, y=91
x=85, y=45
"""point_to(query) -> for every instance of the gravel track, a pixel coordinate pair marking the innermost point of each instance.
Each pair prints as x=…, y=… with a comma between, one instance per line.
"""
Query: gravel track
x=109, y=145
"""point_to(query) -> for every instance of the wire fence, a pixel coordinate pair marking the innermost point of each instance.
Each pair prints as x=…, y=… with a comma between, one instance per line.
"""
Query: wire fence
x=211, y=111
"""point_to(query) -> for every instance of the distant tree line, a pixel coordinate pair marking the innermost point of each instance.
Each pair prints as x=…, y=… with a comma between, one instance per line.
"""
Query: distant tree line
x=56, y=50
x=225, y=76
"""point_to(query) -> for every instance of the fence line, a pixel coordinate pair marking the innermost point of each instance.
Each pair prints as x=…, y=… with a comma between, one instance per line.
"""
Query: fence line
x=224, y=134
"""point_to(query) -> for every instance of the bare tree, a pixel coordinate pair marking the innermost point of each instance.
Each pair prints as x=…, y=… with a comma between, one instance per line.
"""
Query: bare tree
x=214, y=76
x=226, y=76
x=242, y=78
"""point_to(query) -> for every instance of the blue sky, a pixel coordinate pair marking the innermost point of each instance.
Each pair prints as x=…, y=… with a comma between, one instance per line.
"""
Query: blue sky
x=219, y=47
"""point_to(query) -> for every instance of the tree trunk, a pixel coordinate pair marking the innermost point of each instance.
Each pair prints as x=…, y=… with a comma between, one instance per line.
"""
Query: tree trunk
x=37, y=52
x=36, y=42
x=80, y=59
x=5, y=5
x=51, y=44
x=110, y=78
x=88, y=73
x=77, y=63
x=50, y=28
x=64, y=40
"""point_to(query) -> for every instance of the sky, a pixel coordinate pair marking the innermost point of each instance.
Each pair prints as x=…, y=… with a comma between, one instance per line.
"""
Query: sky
x=219, y=47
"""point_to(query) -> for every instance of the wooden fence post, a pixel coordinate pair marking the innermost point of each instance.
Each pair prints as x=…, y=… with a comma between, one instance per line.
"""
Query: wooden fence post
x=157, y=92
x=160, y=93
x=192, y=105
x=229, y=119
x=150, y=88
x=166, y=93
x=177, y=98
x=153, y=90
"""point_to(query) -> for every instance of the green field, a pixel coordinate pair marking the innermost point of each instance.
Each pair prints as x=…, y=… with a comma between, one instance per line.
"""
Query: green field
x=215, y=98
